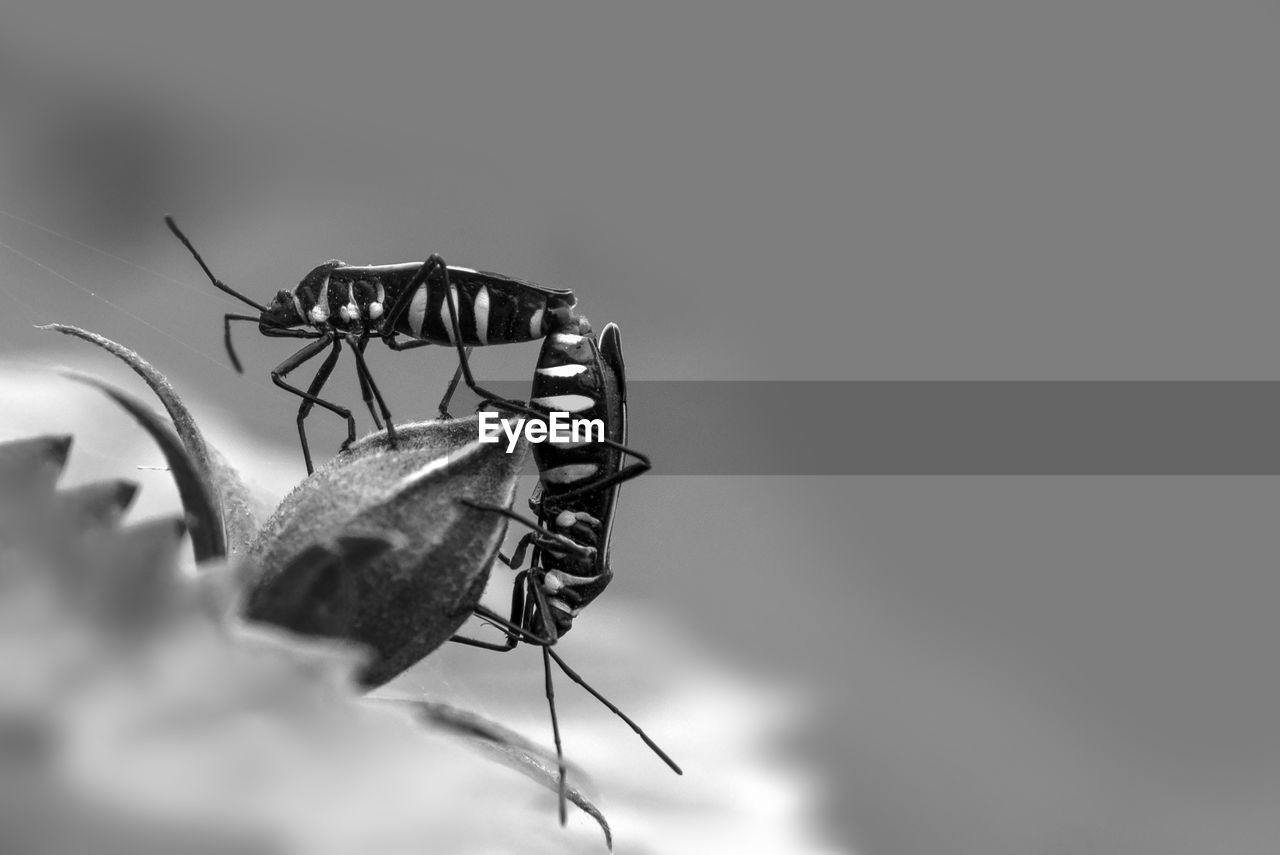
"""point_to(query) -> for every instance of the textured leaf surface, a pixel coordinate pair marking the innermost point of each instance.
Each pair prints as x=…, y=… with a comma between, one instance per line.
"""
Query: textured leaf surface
x=409, y=600
x=509, y=748
x=234, y=500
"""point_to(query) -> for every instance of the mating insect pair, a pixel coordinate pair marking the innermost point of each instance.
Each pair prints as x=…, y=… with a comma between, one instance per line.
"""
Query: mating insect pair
x=423, y=303
x=576, y=498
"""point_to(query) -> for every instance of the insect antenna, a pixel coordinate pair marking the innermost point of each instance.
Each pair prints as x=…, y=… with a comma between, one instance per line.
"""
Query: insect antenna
x=217, y=283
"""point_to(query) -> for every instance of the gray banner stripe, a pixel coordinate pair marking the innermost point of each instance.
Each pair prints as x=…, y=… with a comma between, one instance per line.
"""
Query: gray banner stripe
x=955, y=428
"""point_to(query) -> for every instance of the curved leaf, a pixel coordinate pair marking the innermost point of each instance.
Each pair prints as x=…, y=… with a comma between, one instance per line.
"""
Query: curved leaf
x=506, y=746
x=411, y=599
x=235, y=498
x=203, y=513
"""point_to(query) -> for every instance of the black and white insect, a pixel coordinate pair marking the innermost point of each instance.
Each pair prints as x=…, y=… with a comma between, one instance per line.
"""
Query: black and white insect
x=576, y=503
x=406, y=306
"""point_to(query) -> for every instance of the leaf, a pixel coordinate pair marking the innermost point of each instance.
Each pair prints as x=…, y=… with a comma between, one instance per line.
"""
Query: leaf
x=320, y=596
x=33, y=464
x=545, y=773
x=135, y=570
x=138, y=719
x=504, y=745
x=240, y=512
x=227, y=485
x=198, y=499
x=470, y=724
x=101, y=503
x=411, y=599
x=29, y=471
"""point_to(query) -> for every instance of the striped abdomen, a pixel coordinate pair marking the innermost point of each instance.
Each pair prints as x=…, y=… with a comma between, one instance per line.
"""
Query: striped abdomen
x=574, y=376
x=585, y=379
x=492, y=309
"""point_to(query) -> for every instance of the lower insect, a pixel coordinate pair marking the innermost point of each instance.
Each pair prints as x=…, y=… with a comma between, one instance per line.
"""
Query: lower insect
x=575, y=502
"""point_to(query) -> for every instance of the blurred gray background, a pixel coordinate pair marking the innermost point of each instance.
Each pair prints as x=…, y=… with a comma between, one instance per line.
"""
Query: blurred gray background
x=961, y=190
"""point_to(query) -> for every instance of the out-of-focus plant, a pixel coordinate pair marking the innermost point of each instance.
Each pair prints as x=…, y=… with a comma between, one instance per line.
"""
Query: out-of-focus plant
x=147, y=710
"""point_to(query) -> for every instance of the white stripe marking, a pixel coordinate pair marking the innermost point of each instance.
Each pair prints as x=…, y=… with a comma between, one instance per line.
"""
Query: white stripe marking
x=568, y=338
x=320, y=311
x=568, y=443
x=560, y=606
x=568, y=579
x=445, y=314
x=565, y=403
x=350, y=311
x=392, y=268
x=418, y=310
x=482, y=314
x=535, y=324
x=562, y=370
x=570, y=474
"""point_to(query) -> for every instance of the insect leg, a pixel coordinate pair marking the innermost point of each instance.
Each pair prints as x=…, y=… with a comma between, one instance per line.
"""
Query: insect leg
x=573, y=675
x=226, y=327
x=366, y=394
x=435, y=266
x=626, y=473
x=517, y=557
x=518, y=619
x=278, y=332
x=453, y=387
x=366, y=383
x=395, y=344
x=549, y=625
x=317, y=383
x=555, y=732
x=520, y=605
x=518, y=627
x=547, y=540
x=310, y=397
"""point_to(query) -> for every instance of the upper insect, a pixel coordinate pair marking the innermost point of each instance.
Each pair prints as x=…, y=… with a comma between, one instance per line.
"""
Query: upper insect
x=406, y=306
